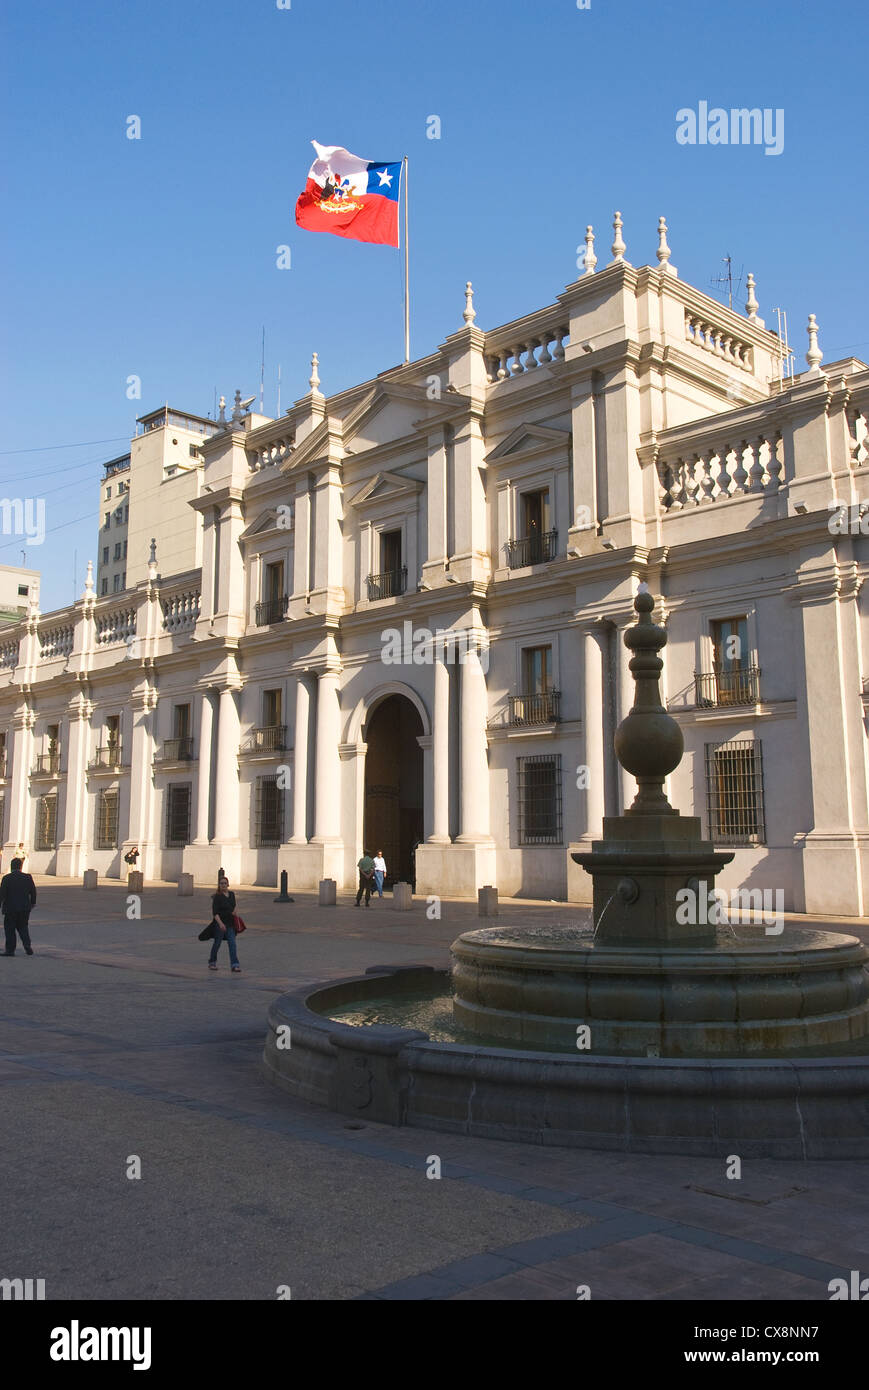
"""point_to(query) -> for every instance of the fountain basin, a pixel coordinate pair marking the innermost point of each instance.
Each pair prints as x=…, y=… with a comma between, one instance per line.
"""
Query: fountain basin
x=795, y=1108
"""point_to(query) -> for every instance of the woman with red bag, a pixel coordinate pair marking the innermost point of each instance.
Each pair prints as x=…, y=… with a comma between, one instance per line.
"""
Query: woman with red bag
x=226, y=925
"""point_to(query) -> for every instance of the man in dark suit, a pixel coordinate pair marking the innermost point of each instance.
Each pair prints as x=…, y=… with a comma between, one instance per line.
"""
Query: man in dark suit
x=17, y=897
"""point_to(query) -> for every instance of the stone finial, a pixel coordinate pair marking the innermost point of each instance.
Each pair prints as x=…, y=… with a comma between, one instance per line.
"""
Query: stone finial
x=663, y=252
x=152, y=559
x=648, y=742
x=618, y=247
x=751, y=304
x=814, y=355
x=89, y=580
x=470, y=313
x=221, y=419
x=590, y=258
x=314, y=378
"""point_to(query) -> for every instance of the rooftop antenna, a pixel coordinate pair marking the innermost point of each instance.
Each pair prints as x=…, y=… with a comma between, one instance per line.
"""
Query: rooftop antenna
x=726, y=278
x=279, y=391
x=262, y=373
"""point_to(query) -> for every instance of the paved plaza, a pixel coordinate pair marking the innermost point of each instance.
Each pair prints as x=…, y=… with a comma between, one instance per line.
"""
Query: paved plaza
x=116, y=1043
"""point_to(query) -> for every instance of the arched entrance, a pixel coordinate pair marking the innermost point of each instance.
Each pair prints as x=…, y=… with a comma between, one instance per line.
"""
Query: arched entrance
x=394, y=785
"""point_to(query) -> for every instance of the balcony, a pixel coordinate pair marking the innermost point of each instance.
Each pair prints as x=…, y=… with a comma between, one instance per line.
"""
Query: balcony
x=532, y=550
x=271, y=738
x=176, y=750
x=388, y=585
x=47, y=764
x=110, y=756
x=271, y=610
x=543, y=708
x=722, y=688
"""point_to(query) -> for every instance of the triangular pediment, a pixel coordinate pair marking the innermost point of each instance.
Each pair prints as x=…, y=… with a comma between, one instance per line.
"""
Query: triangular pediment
x=266, y=521
x=529, y=439
x=385, y=486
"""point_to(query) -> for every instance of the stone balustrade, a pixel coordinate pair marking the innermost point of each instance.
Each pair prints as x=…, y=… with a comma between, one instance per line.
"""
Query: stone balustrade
x=720, y=342
x=857, y=416
x=56, y=641
x=116, y=626
x=720, y=469
x=8, y=656
x=272, y=453
x=180, y=610
x=537, y=348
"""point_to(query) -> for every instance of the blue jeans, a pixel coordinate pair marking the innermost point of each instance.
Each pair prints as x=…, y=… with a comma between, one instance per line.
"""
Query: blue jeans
x=226, y=934
x=378, y=882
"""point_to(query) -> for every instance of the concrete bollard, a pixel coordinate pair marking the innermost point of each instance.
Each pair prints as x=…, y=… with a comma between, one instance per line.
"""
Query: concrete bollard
x=328, y=892
x=185, y=886
x=135, y=881
x=402, y=898
x=487, y=901
x=283, y=895
x=91, y=878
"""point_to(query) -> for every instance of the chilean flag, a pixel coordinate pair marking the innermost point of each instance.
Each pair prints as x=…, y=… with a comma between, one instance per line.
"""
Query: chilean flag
x=351, y=197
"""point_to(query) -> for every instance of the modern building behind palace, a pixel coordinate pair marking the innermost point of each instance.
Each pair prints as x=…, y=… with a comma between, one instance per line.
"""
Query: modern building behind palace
x=392, y=619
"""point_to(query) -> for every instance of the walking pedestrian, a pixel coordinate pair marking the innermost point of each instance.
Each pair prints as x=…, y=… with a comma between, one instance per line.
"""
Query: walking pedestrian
x=379, y=872
x=17, y=897
x=223, y=908
x=366, y=878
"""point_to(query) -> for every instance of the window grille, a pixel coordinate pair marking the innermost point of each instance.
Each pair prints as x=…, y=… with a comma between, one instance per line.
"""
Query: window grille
x=734, y=792
x=178, y=814
x=269, y=829
x=106, y=836
x=540, y=800
x=46, y=822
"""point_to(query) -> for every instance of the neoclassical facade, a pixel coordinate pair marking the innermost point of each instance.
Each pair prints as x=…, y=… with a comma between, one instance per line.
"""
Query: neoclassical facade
x=405, y=631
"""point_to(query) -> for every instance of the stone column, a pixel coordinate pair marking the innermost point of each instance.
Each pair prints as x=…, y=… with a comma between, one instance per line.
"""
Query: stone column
x=474, y=749
x=327, y=811
x=203, y=784
x=300, y=763
x=440, y=833
x=226, y=781
x=72, y=849
x=22, y=759
x=143, y=701
x=593, y=729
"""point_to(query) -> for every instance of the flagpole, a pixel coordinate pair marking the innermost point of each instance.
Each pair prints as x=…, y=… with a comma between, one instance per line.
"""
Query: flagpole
x=406, y=272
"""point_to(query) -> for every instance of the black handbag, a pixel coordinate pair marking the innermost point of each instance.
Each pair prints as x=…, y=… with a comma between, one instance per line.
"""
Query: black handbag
x=208, y=933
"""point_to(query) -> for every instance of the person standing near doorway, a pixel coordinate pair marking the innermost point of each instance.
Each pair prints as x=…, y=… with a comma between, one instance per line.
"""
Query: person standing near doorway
x=366, y=878
x=379, y=872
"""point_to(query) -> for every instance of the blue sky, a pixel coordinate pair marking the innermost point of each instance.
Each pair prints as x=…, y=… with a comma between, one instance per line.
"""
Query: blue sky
x=157, y=257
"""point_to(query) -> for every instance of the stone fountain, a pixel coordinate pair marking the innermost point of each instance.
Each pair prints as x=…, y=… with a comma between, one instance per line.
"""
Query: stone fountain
x=659, y=1029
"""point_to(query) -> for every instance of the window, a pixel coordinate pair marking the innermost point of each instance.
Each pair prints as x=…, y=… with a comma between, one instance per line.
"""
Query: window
x=113, y=730
x=116, y=584
x=23, y=590
x=108, y=492
x=734, y=792
x=538, y=542
x=274, y=581
x=106, y=830
x=46, y=821
x=127, y=512
x=733, y=680
x=537, y=670
x=181, y=724
x=119, y=516
x=105, y=554
x=122, y=488
x=178, y=814
x=539, y=786
x=125, y=550
x=105, y=587
x=272, y=702
x=729, y=644
x=194, y=452
x=117, y=554
x=535, y=512
x=123, y=579
x=269, y=829
x=272, y=607
x=390, y=552
x=108, y=520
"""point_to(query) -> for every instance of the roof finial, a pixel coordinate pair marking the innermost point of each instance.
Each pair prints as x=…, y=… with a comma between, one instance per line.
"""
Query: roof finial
x=663, y=252
x=590, y=258
x=152, y=560
x=619, y=247
x=470, y=313
x=751, y=304
x=314, y=378
x=814, y=354
x=222, y=416
x=89, y=580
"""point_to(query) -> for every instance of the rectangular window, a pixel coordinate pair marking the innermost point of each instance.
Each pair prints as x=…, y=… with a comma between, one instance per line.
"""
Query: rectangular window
x=46, y=821
x=117, y=550
x=108, y=520
x=113, y=730
x=123, y=579
x=125, y=550
x=181, y=718
x=23, y=590
x=178, y=814
x=116, y=584
x=390, y=552
x=269, y=829
x=539, y=787
x=108, y=492
x=734, y=792
x=106, y=830
x=274, y=582
x=272, y=703
x=729, y=644
x=535, y=512
x=104, y=589
x=537, y=670
x=105, y=554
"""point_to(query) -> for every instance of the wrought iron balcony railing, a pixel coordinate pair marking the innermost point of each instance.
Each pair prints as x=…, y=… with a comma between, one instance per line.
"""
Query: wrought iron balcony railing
x=177, y=750
x=716, y=688
x=532, y=550
x=271, y=610
x=110, y=756
x=48, y=762
x=543, y=708
x=388, y=585
x=269, y=738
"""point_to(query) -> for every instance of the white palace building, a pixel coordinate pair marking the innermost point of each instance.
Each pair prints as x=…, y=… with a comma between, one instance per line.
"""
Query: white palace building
x=392, y=619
